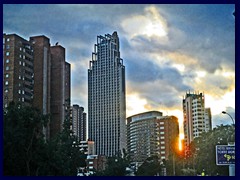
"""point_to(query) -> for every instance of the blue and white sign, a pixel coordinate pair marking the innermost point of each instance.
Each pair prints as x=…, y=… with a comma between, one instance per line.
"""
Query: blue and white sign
x=225, y=154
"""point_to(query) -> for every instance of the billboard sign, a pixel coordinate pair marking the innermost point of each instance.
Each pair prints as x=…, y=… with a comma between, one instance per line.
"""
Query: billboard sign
x=225, y=154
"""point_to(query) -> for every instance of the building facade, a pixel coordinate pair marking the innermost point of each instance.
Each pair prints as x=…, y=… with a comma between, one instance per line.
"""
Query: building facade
x=106, y=97
x=79, y=122
x=42, y=75
x=87, y=147
x=150, y=134
x=36, y=74
x=208, y=119
x=196, y=120
x=18, y=70
x=59, y=99
x=95, y=163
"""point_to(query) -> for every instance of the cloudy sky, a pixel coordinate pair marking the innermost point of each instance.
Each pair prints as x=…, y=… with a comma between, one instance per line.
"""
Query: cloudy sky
x=167, y=49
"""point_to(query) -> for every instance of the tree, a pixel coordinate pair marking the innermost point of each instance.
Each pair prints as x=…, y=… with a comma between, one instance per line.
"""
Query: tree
x=63, y=154
x=27, y=153
x=205, y=147
x=150, y=167
x=23, y=140
x=116, y=165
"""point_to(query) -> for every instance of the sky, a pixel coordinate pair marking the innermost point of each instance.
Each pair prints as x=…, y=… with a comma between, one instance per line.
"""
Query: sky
x=167, y=49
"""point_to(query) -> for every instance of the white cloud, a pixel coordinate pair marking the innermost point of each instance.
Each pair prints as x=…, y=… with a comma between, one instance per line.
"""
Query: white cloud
x=149, y=24
x=135, y=104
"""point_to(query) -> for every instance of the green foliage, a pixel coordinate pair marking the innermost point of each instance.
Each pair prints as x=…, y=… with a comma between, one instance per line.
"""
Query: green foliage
x=27, y=153
x=22, y=138
x=204, y=149
x=116, y=165
x=150, y=167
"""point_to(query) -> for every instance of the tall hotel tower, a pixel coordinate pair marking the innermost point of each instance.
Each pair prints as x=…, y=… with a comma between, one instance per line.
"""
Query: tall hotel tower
x=106, y=97
x=197, y=119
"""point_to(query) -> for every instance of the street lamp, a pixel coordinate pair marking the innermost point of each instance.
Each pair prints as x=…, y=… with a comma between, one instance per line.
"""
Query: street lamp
x=224, y=112
x=231, y=166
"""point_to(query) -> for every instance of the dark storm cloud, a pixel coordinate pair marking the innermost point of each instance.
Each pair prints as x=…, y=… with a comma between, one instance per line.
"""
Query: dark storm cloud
x=147, y=71
x=209, y=35
x=200, y=37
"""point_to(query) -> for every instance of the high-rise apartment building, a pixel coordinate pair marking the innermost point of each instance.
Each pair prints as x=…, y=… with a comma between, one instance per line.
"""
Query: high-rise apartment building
x=60, y=100
x=79, y=122
x=26, y=62
x=194, y=116
x=18, y=71
x=150, y=134
x=106, y=97
x=42, y=73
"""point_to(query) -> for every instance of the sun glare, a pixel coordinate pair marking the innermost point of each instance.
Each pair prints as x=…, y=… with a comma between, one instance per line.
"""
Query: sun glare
x=135, y=105
x=154, y=29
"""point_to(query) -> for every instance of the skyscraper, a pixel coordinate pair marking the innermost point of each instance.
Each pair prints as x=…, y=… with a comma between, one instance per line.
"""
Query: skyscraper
x=194, y=116
x=150, y=134
x=18, y=80
x=106, y=96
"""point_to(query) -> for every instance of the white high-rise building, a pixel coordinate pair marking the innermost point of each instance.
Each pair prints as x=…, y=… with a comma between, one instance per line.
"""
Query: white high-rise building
x=106, y=97
x=196, y=120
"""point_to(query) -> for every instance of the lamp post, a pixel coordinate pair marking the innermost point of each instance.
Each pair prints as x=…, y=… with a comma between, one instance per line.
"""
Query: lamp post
x=231, y=166
x=224, y=112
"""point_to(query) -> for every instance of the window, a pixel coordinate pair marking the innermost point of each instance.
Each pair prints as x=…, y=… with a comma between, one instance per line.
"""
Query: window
x=20, y=56
x=7, y=60
x=19, y=77
x=162, y=132
x=6, y=83
x=6, y=90
x=19, y=91
x=161, y=122
x=23, y=63
x=8, y=39
x=7, y=53
x=7, y=68
x=22, y=99
x=162, y=127
x=7, y=75
x=20, y=63
x=20, y=49
x=7, y=47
